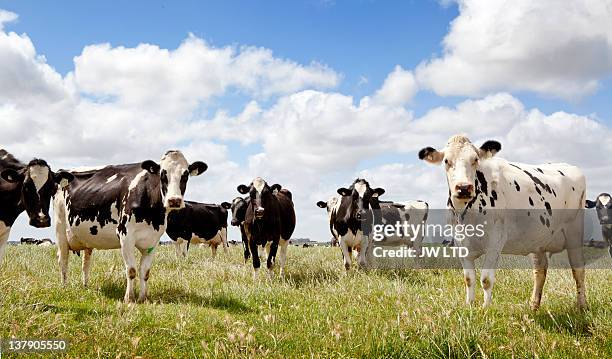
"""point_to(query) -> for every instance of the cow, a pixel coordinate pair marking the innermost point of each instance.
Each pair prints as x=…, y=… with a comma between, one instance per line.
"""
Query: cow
x=198, y=223
x=38, y=242
x=412, y=212
x=603, y=206
x=480, y=185
x=121, y=207
x=26, y=187
x=269, y=221
x=352, y=216
x=239, y=207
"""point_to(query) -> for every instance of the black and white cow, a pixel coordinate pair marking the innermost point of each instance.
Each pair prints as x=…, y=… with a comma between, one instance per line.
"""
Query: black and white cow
x=269, y=221
x=37, y=242
x=603, y=206
x=352, y=216
x=26, y=188
x=239, y=207
x=410, y=212
x=198, y=223
x=121, y=206
x=549, y=199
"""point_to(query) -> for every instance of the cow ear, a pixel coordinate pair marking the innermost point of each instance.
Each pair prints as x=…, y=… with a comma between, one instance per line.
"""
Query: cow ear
x=150, y=166
x=344, y=191
x=276, y=187
x=197, y=168
x=431, y=155
x=226, y=205
x=243, y=189
x=12, y=176
x=63, y=178
x=489, y=149
x=589, y=204
x=322, y=204
x=378, y=192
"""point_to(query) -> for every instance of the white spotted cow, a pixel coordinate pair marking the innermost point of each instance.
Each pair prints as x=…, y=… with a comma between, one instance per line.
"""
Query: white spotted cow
x=603, y=206
x=411, y=212
x=26, y=188
x=121, y=207
x=528, y=209
x=352, y=217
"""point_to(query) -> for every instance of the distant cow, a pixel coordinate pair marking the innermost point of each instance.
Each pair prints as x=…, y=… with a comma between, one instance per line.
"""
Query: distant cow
x=25, y=188
x=37, y=242
x=269, y=221
x=239, y=208
x=121, y=206
x=411, y=212
x=352, y=216
x=603, y=206
x=482, y=186
x=198, y=223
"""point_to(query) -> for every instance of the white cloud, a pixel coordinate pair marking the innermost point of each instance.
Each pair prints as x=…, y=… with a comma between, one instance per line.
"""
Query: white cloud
x=558, y=48
x=398, y=89
x=6, y=16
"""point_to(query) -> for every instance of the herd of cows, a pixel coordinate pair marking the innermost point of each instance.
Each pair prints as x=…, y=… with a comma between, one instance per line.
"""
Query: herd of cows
x=130, y=206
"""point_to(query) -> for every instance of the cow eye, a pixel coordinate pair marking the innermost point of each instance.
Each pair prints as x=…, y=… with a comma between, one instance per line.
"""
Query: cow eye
x=448, y=163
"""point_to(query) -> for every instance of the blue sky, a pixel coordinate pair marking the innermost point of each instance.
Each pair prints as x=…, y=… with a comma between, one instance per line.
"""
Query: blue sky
x=501, y=62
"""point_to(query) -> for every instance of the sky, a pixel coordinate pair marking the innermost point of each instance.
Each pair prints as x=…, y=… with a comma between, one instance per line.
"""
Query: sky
x=308, y=94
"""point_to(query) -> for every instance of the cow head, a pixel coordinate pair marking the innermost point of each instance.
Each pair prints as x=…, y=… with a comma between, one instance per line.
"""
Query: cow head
x=174, y=172
x=603, y=206
x=361, y=197
x=260, y=195
x=239, y=207
x=461, y=160
x=38, y=184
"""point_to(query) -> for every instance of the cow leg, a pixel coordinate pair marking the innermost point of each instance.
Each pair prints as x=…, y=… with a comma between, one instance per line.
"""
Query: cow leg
x=213, y=248
x=245, y=244
x=272, y=256
x=576, y=260
x=146, y=260
x=284, y=243
x=63, y=251
x=129, y=259
x=363, y=251
x=86, y=265
x=177, y=247
x=540, y=267
x=255, y=253
x=224, y=240
x=487, y=275
x=4, y=236
x=346, y=253
x=469, y=275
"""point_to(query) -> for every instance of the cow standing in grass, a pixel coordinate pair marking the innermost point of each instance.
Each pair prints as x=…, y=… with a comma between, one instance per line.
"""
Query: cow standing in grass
x=198, y=223
x=26, y=188
x=121, y=206
x=550, y=198
x=603, y=206
x=352, y=217
x=411, y=212
x=269, y=221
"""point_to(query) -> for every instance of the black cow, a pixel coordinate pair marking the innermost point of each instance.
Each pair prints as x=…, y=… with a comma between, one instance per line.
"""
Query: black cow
x=239, y=207
x=121, y=206
x=351, y=218
x=603, y=206
x=198, y=223
x=269, y=221
x=26, y=188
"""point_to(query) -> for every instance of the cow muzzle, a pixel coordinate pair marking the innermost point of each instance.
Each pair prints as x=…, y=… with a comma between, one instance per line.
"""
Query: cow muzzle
x=174, y=203
x=259, y=212
x=464, y=191
x=40, y=222
x=235, y=222
x=361, y=215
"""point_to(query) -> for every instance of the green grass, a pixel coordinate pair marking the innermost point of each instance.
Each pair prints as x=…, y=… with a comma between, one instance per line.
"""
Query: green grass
x=201, y=308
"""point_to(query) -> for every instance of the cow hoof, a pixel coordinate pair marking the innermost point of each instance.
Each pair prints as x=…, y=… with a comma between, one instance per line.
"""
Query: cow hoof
x=142, y=300
x=347, y=266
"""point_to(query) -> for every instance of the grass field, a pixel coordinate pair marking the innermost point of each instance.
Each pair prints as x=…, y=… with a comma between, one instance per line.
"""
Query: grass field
x=201, y=308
